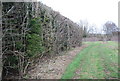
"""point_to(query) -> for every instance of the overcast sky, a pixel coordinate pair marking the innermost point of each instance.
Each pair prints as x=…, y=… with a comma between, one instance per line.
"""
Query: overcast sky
x=94, y=11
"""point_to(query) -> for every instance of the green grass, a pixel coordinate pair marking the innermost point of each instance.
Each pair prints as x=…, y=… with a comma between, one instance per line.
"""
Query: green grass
x=97, y=61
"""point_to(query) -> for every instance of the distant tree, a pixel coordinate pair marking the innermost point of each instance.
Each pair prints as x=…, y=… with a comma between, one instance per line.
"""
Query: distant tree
x=109, y=28
x=88, y=29
x=92, y=30
x=84, y=25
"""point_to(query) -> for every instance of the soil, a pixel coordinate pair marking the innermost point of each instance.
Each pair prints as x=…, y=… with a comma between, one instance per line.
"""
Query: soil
x=53, y=68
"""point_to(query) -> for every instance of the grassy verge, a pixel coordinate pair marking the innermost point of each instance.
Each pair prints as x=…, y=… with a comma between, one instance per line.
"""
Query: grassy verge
x=97, y=61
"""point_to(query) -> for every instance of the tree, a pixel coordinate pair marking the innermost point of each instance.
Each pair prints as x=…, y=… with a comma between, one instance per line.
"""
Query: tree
x=84, y=25
x=92, y=30
x=109, y=28
x=87, y=28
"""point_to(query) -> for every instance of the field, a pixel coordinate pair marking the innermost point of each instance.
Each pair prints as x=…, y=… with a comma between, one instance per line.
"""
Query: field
x=98, y=61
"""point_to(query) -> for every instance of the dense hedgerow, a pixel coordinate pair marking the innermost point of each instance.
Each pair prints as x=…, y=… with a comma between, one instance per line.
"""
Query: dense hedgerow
x=31, y=31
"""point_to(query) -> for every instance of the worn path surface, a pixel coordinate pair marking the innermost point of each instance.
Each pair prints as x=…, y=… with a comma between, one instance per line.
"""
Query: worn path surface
x=55, y=67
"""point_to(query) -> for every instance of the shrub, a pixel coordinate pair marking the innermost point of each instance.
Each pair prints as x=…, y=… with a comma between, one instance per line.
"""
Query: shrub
x=34, y=38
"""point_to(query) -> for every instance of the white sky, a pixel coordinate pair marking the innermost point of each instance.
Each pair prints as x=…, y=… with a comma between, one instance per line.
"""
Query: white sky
x=94, y=11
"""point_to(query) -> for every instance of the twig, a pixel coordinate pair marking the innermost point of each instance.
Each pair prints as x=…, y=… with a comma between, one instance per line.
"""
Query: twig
x=10, y=10
x=26, y=68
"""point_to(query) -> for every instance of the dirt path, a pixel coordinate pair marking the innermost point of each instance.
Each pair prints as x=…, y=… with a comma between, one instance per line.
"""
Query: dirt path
x=55, y=67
